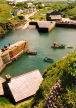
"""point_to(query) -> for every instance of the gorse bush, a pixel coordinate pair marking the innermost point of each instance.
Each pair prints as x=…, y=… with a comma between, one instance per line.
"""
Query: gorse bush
x=72, y=66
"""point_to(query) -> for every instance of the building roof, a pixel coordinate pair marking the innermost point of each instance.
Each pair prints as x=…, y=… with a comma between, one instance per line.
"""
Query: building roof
x=55, y=17
x=25, y=85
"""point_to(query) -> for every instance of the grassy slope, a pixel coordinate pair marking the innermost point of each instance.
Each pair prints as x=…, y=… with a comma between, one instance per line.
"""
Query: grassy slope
x=60, y=70
x=4, y=103
x=71, y=12
x=38, y=17
x=5, y=10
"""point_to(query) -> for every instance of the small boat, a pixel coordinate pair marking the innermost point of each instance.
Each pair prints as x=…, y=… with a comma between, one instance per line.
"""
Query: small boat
x=47, y=59
x=55, y=45
x=69, y=46
x=32, y=52
x=59, y=46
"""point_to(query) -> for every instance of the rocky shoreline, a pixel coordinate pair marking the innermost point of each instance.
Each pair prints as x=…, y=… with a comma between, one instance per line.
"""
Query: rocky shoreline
x=5, y=27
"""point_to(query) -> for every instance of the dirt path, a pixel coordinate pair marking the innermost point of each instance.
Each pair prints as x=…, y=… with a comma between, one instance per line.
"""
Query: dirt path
x=27, y=18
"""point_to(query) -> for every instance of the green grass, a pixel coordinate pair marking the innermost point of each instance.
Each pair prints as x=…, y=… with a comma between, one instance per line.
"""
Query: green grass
x=71, y=12
x=38, y=17
x=4, y=12
x=4, y=103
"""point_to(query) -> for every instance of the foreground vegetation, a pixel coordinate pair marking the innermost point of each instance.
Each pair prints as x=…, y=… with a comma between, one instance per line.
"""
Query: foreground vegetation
x=64, y=70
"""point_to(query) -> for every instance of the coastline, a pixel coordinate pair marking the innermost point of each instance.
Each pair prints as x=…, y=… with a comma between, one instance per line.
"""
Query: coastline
x=5, y=27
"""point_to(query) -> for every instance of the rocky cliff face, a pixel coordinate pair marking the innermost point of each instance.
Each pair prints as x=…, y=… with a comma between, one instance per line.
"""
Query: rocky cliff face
x=5, y=27
x=2, y=32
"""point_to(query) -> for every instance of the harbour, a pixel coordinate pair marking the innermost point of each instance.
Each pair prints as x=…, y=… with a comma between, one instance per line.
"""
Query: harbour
x=37, y=54
x=40, y=42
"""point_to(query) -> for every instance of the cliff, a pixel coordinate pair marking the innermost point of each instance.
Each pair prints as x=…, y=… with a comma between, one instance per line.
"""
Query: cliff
x=5, y=27
x=2, y=32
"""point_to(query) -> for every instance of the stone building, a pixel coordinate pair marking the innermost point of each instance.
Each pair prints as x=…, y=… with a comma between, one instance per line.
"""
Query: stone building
x=21, y=87
x=53, y=15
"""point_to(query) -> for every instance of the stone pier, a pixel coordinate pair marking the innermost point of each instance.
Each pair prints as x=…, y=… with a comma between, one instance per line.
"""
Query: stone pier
x=44, y=26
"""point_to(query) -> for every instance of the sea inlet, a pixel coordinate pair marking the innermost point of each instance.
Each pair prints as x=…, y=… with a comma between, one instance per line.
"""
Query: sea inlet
x=40, y=42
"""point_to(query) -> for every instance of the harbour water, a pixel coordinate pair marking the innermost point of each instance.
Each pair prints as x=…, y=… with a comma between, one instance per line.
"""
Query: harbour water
x=40, y=42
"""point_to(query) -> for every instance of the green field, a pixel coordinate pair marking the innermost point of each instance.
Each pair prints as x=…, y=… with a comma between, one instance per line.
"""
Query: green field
x=5, y=11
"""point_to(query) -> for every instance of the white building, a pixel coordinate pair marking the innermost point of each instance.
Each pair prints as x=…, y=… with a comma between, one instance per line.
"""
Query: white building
x=30, y=4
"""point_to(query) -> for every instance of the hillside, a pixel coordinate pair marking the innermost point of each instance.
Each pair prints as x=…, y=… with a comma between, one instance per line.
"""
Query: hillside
x=58, y=89
x=5, y=10
x=7, y=20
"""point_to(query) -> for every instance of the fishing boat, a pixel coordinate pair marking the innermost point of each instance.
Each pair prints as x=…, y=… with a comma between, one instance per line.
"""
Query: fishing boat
x=47, y=59
x=31, y=52
x=55, y=45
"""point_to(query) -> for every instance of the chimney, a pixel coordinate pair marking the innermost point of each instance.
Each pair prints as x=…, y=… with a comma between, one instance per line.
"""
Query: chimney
x=8, y=78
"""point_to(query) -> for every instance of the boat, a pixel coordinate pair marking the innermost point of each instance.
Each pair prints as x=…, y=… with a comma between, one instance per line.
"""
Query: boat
x=47, y=59
x=55, y=45
x=32, y=52
x=69, y=46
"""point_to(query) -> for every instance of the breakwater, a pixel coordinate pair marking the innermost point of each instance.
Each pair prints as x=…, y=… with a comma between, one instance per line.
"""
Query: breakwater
x=9, y=53
x=68, y=25
x=44, y=26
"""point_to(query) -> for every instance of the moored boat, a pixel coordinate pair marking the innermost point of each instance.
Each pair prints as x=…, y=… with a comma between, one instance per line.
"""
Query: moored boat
x=69, y=46
x=55, y=45
x=32, y=52
x=47, y=59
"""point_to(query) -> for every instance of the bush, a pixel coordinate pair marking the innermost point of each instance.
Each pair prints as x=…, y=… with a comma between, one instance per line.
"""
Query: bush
x=21, y=5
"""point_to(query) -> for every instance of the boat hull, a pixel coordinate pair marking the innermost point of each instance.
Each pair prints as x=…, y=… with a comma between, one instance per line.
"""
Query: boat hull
x=58, y=47
x=31, y=53
x=48, y=60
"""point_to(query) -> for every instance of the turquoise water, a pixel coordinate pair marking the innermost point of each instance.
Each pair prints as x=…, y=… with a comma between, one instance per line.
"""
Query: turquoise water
x=40, y=42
